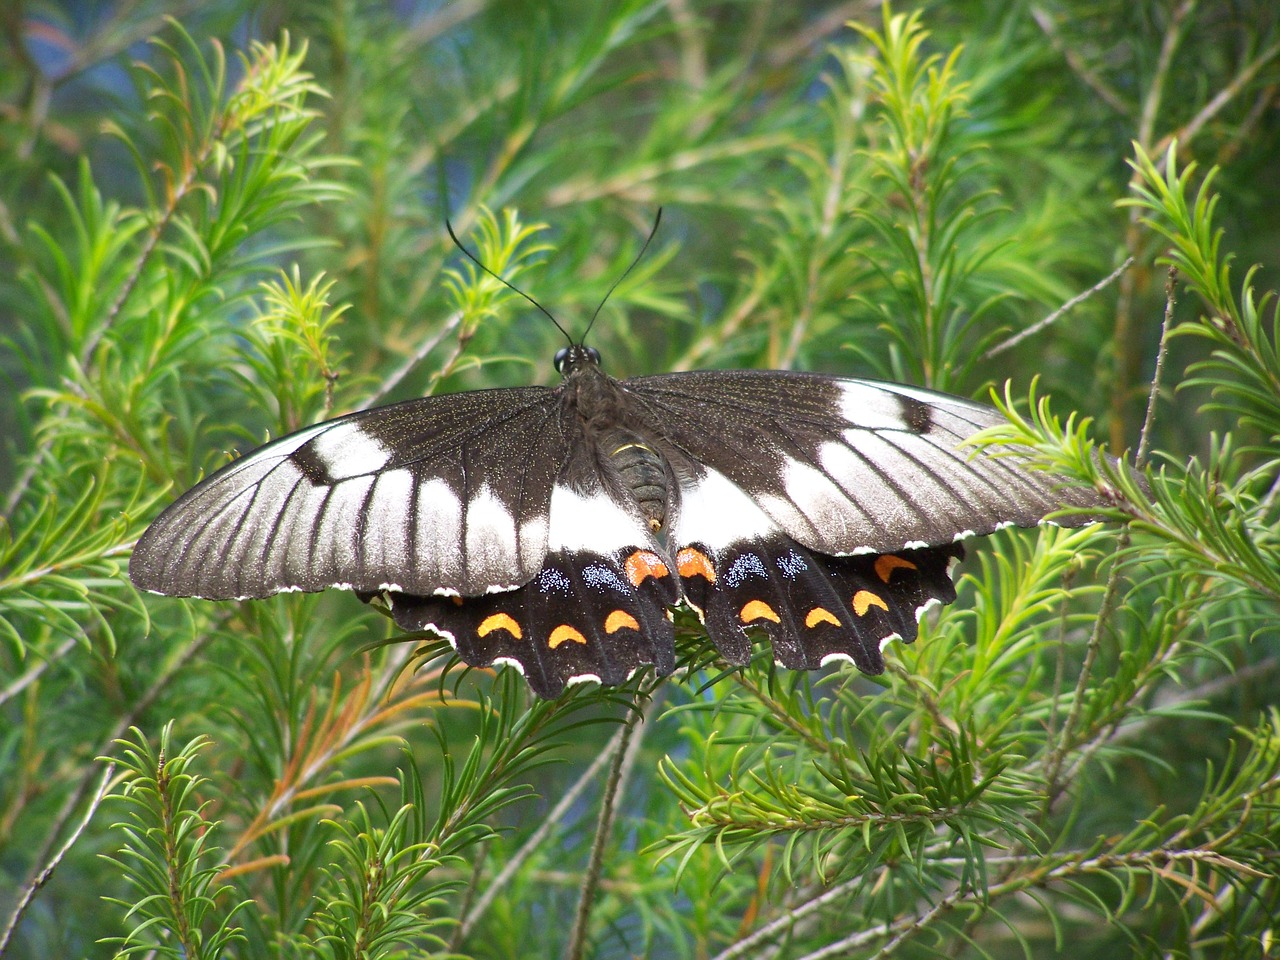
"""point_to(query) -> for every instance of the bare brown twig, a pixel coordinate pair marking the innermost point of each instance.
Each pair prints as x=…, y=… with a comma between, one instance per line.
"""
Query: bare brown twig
x=1053, y=318
x=41, y=877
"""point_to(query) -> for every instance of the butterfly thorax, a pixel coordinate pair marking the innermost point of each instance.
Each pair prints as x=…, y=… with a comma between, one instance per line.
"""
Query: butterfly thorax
x=597, y=401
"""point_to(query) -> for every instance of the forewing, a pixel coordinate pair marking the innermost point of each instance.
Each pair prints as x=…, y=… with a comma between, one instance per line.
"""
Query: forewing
x=848, y=466
x=445, y=494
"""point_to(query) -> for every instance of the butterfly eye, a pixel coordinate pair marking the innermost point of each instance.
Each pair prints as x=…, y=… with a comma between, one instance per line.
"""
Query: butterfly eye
x=576, y=354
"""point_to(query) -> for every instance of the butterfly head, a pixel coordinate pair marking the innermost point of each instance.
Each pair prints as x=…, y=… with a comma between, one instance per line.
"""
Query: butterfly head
x=575, y=357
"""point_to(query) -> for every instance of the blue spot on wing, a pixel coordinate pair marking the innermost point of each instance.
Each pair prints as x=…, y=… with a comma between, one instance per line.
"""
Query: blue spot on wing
x=598, y=576
x=791, y=564
x=552, y=580
x=746, y=566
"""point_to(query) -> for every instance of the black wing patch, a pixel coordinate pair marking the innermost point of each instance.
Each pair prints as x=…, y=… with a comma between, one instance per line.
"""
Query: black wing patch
x=600, y=618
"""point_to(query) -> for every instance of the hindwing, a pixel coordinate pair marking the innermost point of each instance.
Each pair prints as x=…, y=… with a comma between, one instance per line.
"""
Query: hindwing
x=814, y=608
x=583, y=617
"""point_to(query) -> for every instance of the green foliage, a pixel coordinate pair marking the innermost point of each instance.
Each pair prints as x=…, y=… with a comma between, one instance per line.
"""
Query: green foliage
x=295, y=345
x=1241, y=367
x=932, y=214
x=1080, y=756
x=166, y=856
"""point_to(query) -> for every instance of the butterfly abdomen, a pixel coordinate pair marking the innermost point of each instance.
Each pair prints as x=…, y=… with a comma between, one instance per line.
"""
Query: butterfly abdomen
x=643, y=471
x=601, y=407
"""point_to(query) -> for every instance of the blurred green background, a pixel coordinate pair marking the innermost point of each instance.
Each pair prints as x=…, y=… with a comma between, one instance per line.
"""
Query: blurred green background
x=205, y=241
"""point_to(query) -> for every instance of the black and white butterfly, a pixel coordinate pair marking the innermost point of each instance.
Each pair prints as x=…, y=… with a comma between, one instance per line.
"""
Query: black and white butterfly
x=555, y=528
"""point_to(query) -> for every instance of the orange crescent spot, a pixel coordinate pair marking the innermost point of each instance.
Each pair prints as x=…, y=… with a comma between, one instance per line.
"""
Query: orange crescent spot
x=562, y=633
x=820, y=615
x=642, y=564
x=695, y=563
x=864, y=600
x=619, y=619
x=499, y=621
x=886, y=563
x=758, y=610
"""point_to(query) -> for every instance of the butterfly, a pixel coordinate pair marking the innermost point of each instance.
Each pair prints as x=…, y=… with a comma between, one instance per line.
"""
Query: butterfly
x=554, y=529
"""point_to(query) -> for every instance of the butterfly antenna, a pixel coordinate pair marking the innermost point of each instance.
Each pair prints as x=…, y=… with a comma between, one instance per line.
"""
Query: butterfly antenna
x=510, y=286
x=639, y=256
